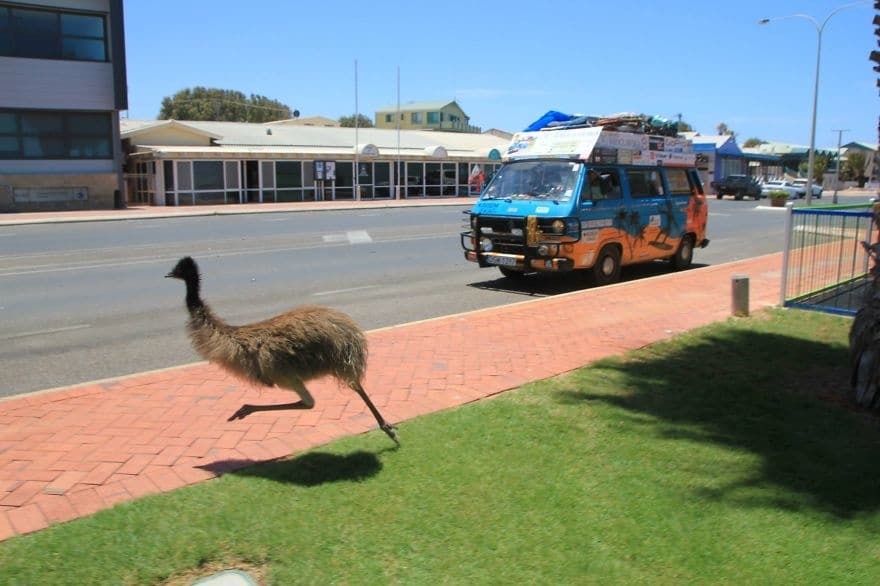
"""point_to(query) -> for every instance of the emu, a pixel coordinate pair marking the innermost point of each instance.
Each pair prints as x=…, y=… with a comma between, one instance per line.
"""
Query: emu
x=286, y=350
x=864, y=337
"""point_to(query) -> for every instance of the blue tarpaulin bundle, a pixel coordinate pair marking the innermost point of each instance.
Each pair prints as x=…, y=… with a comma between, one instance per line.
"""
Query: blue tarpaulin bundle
x=550, y=116
x=623, y=121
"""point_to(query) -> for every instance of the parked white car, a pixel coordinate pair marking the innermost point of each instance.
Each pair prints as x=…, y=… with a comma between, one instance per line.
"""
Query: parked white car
x=802, y=185
x=781, y=185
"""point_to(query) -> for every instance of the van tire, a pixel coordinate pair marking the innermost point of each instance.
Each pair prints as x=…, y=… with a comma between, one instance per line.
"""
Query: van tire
x=607, y=267
x=684, y=256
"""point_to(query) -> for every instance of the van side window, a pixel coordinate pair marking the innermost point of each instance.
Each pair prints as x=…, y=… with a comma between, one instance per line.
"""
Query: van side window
x=601, y=183
x=644, y=182
x=678, y=181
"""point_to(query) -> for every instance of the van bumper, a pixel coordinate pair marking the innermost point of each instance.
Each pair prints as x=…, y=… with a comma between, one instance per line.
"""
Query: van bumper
x=517, y=262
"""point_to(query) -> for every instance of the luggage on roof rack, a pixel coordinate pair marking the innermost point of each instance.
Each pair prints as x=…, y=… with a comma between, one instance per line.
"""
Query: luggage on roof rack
x=619, y=122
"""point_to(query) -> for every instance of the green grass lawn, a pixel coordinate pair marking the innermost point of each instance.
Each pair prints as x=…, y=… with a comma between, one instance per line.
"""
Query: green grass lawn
x=728, y=455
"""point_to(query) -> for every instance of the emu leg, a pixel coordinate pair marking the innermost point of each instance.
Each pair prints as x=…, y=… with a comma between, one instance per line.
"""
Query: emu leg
x=383, y=425
x=306, y=401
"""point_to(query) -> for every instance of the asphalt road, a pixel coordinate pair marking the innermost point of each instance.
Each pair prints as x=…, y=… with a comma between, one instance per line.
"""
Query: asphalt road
x=86, y=301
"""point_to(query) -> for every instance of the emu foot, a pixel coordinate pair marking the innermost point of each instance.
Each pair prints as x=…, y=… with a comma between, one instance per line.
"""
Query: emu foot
x=391, y=431
x=243, y=412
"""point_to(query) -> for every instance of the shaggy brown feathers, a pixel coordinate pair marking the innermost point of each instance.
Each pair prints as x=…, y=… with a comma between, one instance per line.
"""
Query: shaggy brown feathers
x=287, y=350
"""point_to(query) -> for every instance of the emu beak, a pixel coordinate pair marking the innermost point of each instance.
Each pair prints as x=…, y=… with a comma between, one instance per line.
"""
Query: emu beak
x=169, y=276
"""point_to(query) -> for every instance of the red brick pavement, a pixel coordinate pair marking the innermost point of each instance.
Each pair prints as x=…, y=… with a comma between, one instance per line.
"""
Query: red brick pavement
x=68, y=453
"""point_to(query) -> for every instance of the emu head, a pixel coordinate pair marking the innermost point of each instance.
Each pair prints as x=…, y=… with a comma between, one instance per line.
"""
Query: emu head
x=186, y=270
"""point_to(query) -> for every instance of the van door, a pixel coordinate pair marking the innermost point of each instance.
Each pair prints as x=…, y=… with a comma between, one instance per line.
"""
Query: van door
x=652, y=226
x=602, y=209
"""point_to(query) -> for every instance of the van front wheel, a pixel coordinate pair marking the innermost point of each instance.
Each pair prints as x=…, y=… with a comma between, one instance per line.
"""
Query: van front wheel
x=607, y=267
x=684, y=256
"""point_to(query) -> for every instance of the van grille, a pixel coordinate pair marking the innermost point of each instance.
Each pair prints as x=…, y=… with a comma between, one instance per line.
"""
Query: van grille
x=502, y=236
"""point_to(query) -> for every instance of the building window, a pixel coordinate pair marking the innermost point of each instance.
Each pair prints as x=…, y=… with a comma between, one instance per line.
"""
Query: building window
x=207, y=175
x=416, y=117
x=48, y=34
x=389, y=117
x=433, y=117
x=48, y=134
x=288, y=174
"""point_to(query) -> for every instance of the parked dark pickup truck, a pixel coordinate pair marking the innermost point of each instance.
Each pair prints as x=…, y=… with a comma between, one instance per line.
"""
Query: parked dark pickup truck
x=738, y=186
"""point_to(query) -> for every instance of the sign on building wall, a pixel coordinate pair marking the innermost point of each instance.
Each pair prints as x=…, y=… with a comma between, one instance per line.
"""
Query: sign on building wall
x=325, y=170
x=49, y=194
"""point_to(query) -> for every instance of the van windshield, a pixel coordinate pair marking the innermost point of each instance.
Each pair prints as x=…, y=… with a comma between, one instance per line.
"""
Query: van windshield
x=534, y=180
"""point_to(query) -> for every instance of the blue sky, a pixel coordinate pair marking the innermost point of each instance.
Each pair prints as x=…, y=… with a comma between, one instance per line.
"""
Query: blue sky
x=508, y=62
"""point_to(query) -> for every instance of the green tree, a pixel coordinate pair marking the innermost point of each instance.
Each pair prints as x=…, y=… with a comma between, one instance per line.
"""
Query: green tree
x=753, y=142
x=682, y=125
x=722, y=129
x=362, y=121
x=853, y=168
x=820, y=165
x=200, y=103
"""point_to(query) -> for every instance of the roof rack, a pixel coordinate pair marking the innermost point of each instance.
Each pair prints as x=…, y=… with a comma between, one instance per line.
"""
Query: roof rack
x=621, y=122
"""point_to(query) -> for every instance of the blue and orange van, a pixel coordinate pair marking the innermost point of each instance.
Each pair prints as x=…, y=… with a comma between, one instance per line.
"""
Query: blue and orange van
x=589, y=199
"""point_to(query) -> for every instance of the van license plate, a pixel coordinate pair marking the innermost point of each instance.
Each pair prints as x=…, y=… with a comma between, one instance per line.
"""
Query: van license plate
x=507, y=261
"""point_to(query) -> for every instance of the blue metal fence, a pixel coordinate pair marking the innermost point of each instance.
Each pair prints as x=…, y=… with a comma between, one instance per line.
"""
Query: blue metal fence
x=825, y=266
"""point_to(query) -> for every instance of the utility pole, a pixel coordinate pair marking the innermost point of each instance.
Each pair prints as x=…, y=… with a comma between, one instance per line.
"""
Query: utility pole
x=837, y=167
x=357, y=187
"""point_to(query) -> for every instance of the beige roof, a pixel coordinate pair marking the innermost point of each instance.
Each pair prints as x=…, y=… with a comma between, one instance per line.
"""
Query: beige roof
x=433, y=105
x=284, y=139
x=308, y=121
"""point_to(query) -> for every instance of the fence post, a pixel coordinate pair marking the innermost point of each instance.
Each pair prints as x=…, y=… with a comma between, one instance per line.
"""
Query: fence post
x=786, y=251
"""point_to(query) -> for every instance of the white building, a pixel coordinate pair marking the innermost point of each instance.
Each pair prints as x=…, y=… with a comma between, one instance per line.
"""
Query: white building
x=190, y=163
x=62, y=85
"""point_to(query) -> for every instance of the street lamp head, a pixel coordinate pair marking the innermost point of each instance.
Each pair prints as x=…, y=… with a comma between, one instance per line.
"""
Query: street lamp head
x=819, y=28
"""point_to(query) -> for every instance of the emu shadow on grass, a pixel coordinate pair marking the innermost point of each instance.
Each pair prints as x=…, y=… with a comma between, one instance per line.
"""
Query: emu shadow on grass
x=791, y=408
x=312, y=469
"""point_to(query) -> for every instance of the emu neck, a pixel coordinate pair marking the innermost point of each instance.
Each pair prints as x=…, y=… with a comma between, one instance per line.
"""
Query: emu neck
x=194, y=301
x=200, y=316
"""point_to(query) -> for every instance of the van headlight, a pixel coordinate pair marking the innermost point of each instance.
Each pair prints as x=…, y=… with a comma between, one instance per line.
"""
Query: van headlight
x=486, y=244
x=547, y=249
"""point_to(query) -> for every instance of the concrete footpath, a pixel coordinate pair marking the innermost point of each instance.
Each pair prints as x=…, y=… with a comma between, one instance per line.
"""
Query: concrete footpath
x=67, y=453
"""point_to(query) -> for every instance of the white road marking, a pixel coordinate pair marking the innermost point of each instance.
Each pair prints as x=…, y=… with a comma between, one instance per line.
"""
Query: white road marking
x=45, y=332
x=349, y=290
x=352, y=237
x=358, y=237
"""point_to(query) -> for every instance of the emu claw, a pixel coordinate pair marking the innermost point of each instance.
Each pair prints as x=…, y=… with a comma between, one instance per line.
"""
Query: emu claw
x=391, y=431
x=242, y=412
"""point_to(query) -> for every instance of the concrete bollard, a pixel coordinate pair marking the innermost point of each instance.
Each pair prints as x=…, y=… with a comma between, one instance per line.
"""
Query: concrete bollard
x=740, y=295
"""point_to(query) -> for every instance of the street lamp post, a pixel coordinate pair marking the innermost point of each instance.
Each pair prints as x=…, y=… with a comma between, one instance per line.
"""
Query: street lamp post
x=819, y=28
x=837, y=166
